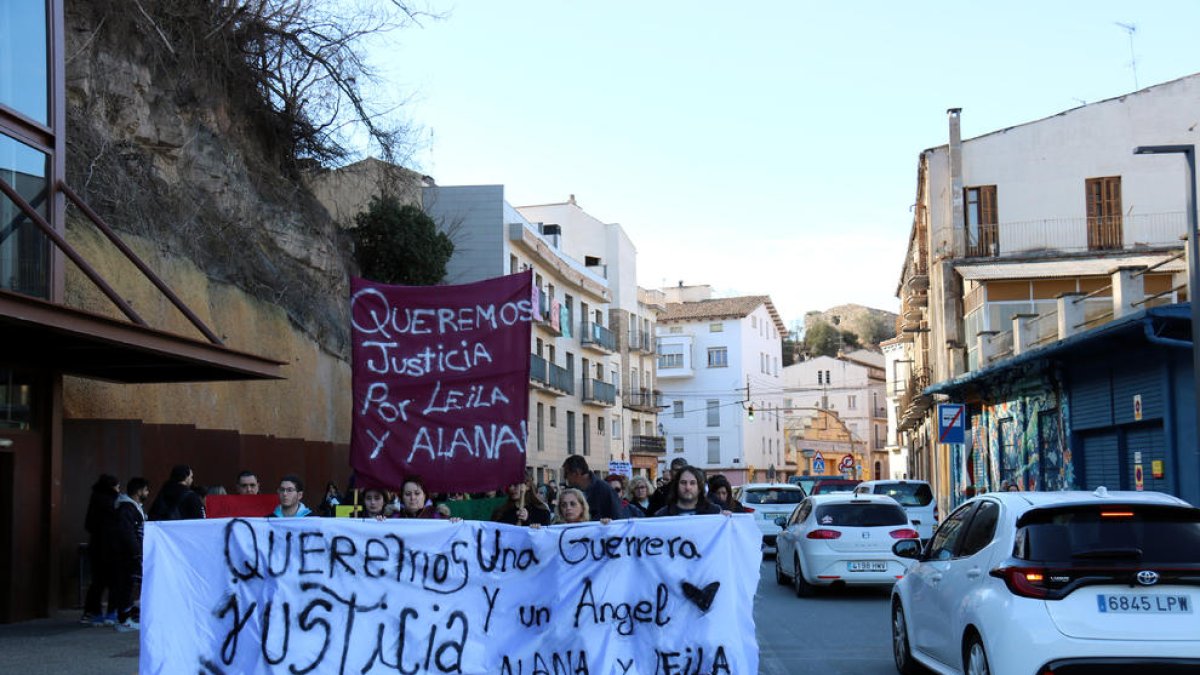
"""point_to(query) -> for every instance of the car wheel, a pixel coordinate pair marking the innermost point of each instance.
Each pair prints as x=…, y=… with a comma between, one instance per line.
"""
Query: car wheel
x=780, y=577
x=901, y=652
x=977, y=663
x=803, y=588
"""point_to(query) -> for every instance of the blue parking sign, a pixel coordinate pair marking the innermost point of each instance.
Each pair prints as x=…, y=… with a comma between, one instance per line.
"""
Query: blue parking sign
x=952, y=422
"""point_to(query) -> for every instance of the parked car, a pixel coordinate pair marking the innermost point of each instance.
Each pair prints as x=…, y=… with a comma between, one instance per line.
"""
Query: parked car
x=914, y=495
x=1062, y=582
x=806, y=482
x=828, y=486
x=768, y=501
x=841, y=540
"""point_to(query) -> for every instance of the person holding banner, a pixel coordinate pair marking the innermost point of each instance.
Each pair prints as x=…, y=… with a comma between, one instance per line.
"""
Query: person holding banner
x=639, y=497
x=375, y=505
x=688, y=498
x=413, y=501
x=523, y=506
x=602, y=500
x=572, y=508
x=721, y=492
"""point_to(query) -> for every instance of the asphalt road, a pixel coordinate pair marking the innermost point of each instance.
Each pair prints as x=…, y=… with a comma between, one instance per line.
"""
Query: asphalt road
x=844, y=632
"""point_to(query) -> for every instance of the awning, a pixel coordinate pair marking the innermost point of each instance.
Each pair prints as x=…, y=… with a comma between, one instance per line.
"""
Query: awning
x=42, y=334
x=1065, y=268
x=1169, y=325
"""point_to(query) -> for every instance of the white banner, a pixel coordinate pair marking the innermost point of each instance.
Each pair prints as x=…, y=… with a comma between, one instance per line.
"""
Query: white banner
x=649, y=596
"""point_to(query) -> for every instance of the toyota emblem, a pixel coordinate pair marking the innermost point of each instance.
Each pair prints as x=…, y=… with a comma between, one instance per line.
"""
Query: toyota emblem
x=867, y=535
x=1147, y=577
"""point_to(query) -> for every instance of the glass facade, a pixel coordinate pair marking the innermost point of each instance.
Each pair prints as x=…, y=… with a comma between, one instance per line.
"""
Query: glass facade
x=24, y=54
x=24, y=248
x=16, y=399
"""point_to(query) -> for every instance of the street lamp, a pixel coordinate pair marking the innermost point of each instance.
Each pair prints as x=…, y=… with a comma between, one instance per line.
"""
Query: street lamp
x=1193, y=251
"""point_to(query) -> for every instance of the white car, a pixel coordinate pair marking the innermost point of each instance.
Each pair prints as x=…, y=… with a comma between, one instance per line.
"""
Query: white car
x=1054, y=582
x=769, y=501
x=842, y=539
x=914, y=495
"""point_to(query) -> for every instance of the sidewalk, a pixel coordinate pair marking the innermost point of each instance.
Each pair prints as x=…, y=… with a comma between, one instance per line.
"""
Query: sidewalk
x=62, y=645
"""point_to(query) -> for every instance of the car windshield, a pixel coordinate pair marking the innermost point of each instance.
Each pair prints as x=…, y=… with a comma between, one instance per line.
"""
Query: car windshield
x=860, y=515
x=908, y=494
x=1118, y=533
x=828, y=488
x=772, y=496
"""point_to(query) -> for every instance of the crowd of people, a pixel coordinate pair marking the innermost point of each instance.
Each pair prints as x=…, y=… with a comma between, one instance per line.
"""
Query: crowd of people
x=116, y=518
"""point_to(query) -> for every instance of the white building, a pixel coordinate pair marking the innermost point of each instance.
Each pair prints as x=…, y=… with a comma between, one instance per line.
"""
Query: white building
x=854, y=387
x=575, y=402
x=718, y=361
x=897, y=355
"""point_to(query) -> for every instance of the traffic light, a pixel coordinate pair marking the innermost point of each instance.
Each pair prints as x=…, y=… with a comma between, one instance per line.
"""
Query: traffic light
x=750, y=412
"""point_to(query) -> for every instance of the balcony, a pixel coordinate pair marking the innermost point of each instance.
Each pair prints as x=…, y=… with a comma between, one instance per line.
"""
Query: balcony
x=1077, y=235
x=644, y=400
x=648, y=445
x=641, y=341
x=549, y=321
x=597, y=337
x=598, y=392
x=549, y=377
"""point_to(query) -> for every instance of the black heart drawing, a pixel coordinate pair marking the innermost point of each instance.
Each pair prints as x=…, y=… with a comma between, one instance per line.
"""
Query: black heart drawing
x=702, y=597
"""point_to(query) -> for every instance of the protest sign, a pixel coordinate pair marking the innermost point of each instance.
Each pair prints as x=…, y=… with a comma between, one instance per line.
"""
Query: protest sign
x=665, y=596
x=440, y=380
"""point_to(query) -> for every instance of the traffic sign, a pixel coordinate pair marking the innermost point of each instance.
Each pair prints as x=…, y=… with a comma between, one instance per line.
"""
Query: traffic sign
x=846, y=463
x=818, y=464
x=952, y=423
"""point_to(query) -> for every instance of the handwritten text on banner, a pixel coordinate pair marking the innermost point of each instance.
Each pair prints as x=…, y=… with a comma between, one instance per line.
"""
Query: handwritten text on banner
x=665, y=596
x=441, y=382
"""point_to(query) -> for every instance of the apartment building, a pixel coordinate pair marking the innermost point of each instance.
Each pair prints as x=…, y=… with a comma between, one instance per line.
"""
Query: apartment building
x=588, y=336
x=852, y=387
x=722, y=384
x=1023, y=237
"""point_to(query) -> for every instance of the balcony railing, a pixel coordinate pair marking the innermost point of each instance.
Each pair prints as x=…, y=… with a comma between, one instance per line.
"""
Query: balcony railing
x=641, y=341
x=597, y=391
x=1077, y=235
x=549, y=376
x=597, y=336
x=648, y=444
x=649, y=400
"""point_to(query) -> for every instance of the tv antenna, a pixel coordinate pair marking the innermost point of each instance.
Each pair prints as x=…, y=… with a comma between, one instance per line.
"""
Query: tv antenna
x=1130, y=29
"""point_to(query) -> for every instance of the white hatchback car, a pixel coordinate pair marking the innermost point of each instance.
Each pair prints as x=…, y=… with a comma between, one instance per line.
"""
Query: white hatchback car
x=914, y=495
x=842, y=539
x=1054, y=582
x=769, y=501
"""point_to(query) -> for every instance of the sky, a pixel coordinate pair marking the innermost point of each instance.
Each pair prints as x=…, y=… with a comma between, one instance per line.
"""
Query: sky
x=759, y=147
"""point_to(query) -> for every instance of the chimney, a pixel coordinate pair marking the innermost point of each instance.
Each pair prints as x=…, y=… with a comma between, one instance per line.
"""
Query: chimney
x=957, y=240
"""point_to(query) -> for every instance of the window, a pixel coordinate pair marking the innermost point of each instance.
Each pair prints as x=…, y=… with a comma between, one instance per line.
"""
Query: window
x=945, y=541
x=851, y=402
x=541, y=432
x=714, y=449
x=570, y=432
x=677, y=444
x=982, y=529
x=828, y=379
x=675, y=329
x=667, y=361
x=23, y=68
x=616, y=428
x=753, y=321
x=677, y=409
x=716, y=327
x=714, y=413
x=981, y=224
x=1008, y=450
x=1104, y=213
x=600, y=426
x=587, y=434
x=553, y=416
x=24, y=249
x=718, y=357
x=820, y=377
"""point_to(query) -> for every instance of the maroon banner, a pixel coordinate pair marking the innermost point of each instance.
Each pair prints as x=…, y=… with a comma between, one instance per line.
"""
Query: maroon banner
x=441, y=383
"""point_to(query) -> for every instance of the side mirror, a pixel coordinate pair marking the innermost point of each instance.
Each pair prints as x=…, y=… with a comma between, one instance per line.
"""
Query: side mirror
x=907, y=548
x=781, y=521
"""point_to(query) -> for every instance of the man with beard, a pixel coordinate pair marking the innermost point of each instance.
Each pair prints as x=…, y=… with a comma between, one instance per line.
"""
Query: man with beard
x=689, y=498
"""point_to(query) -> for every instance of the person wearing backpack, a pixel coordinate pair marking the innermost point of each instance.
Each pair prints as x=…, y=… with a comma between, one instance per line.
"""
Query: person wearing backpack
x=177, y=500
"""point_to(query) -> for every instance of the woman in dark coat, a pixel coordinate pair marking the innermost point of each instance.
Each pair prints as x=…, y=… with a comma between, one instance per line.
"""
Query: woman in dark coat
x=101, y=525
x=413, y=500
x=523, y=507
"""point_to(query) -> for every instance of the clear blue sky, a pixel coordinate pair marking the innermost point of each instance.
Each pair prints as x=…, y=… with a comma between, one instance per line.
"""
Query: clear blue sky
x=759, y=147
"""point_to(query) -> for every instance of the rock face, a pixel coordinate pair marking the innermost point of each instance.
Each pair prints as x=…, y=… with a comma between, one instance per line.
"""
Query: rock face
x=184, y=175
x=870, y=325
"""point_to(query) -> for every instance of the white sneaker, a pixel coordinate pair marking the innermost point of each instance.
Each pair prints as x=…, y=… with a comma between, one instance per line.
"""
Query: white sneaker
x=127, y=626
